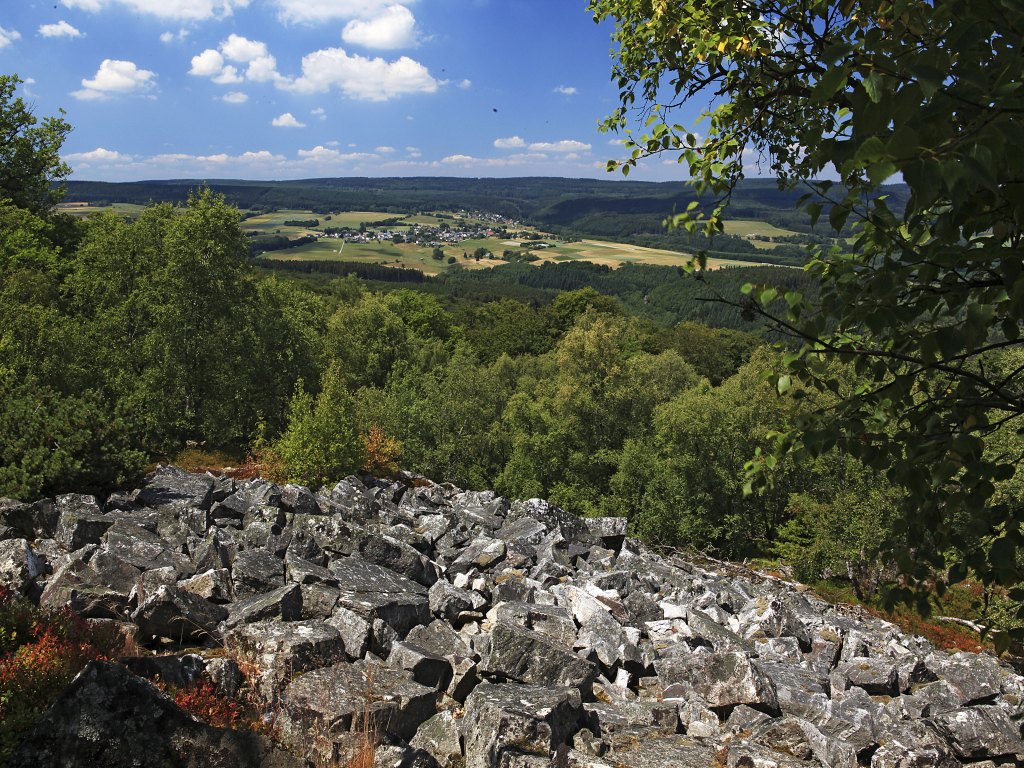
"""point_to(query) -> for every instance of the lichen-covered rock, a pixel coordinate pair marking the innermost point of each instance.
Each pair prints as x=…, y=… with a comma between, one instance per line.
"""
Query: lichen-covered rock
x=524, y=656
x=980, y=732
x=720, y=679
x=109, y=717
x=509, y=720
x=334, y=701
x=177, y=615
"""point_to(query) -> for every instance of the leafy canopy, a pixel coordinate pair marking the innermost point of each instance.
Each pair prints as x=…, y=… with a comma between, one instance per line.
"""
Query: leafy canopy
x=924, y=301
x=29, y=151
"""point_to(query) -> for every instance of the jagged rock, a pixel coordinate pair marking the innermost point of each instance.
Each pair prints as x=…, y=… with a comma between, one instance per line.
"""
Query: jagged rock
x=746, y=754
x=20, y=567
x=425, y=667
x=976, y=733
x=142, y=549
x=283, y=603
x=281, y=650
x=448, y=602
x=80, y=521
x=173, y=488
x=620, y=722
x=179, y=670
x=720, y=679
x=508, y=721
x=665, y=752
x=525, y=656
x=110, y=717
x=719, y=637
x=482, y=553
x=356, y=632
x=439, y=736
x=877, y=676
x=336, y=700
x=178, y=615
x=610, y=530
x=802, y=739
x=37, y=520
x=377, y=593
x=913, y=744
x=745, y=719
x=256, y=571
x=397, y=556
x=974, y=677
x=552, y=621
x=299, y=499
x=213, y=585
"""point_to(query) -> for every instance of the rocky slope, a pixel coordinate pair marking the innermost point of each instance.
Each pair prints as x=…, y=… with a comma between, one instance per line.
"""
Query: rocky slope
x=461, y=629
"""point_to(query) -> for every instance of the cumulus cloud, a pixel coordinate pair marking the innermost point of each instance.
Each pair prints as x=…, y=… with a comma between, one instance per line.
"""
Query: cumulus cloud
x=115, y=78
x=414, y=151
x=393, y=27
x=8, y=36
x=207, y=64
x=566, y=145
x=318, y=11
x=459, y=160
x=319, y=112
x=235, y=97
x=287, y=120
x=99, y=154
x=260, y=65
x=512, y=142
x=60, y=29
x=184, y=10
x=568, y=90
x=384, y=150
x=361, y=78
x=467, y=83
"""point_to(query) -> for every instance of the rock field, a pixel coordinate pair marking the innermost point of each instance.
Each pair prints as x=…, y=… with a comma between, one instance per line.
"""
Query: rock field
x=463, y=629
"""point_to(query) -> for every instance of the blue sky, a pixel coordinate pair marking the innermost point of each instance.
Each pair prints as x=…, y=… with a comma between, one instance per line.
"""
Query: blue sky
x=277, y=89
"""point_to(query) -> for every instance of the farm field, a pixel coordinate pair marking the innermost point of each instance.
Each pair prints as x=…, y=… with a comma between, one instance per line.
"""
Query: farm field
x=408, y=255
x=750, y=228
x=413, y=256
x=85, y=209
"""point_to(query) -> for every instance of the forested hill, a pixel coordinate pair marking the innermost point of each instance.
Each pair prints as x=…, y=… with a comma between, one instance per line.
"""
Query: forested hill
x=572, y=204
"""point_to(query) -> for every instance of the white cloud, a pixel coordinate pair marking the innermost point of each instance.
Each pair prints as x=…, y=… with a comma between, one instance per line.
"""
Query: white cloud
x=287, y=120
x=512, y=142
x=261, y=66
x=314, y=11
x=464, y=84
x=228, y=76
x=207, y=64
x=361, y=78
x=384, y=150
x=320, y=154
x=60, y=29
x=260, y=156
x=235, y=97
x=319, y=112
x=8, y=36
x=115, y=78
x=185, y=10
x=414, y=151
x=238, y=48
x=568, y=90
x=170, y=37
x=99, y=154
x=566, y=145
x=393, y=27
x=459, y=160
